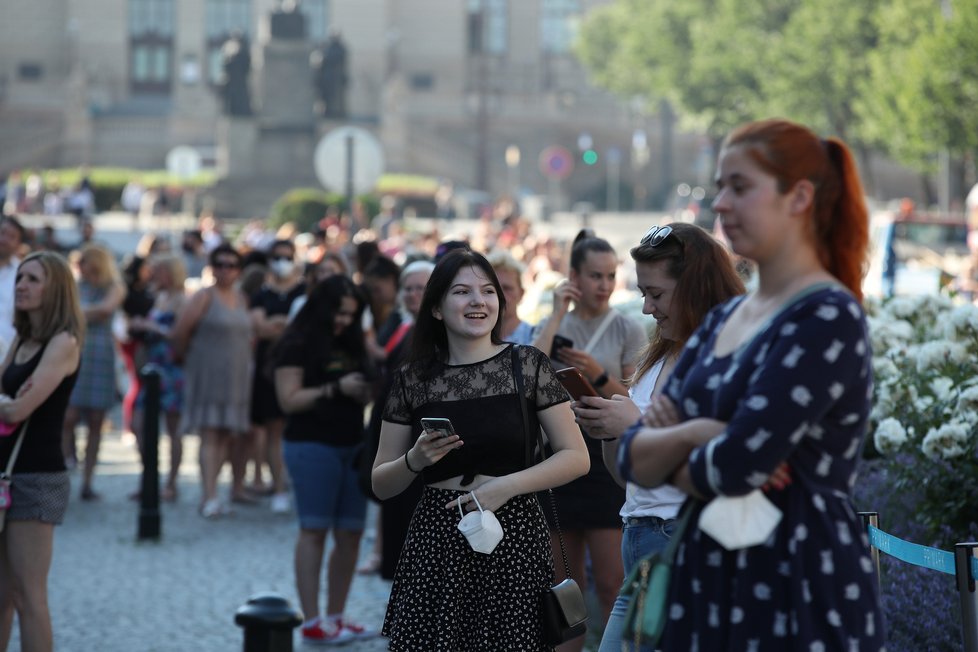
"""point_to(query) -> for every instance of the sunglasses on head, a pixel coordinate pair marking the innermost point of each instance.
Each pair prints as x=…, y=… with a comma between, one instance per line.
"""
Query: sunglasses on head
x=654, y=236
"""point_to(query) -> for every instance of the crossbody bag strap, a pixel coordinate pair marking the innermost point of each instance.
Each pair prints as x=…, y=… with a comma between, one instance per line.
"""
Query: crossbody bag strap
x=521, y=395
x=16, y=451
x=602, y=327
x=682, y=521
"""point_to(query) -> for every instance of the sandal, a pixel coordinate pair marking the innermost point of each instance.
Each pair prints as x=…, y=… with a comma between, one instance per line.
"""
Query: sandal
x=212, y=509
x=87, y=494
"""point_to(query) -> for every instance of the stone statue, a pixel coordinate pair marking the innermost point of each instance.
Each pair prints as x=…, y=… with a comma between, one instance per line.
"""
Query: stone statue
x=330, y=77
x=287, y=21
x=233, y=86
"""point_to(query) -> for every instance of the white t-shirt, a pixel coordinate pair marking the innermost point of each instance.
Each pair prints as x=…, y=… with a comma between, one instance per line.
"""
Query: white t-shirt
x=663, y=501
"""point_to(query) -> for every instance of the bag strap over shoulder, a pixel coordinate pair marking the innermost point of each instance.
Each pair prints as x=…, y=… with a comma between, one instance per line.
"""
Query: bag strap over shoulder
x=16, y=451
x=521, y=396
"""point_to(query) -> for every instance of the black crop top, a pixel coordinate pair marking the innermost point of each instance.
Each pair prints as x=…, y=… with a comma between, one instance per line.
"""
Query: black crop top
x=480, y=400
x=41, y=450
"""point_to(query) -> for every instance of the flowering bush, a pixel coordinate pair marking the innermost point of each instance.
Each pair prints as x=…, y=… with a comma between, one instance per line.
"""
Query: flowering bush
x=925, y=410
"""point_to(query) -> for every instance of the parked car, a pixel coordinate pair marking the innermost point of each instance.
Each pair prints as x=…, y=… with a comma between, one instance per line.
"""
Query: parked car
x=916, y=253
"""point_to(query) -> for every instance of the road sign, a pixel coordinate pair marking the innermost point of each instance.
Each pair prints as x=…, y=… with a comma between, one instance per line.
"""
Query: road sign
x=556, y=162
x=330, y=160
x=183, y=162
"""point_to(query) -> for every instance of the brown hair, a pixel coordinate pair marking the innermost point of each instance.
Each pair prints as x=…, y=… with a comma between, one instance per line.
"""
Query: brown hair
x=60, y=304
x=839, y=219
x=705, y=277
x=101, y=259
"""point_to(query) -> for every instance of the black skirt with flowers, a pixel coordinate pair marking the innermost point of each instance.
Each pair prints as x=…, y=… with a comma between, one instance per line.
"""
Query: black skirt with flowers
x=448, y=598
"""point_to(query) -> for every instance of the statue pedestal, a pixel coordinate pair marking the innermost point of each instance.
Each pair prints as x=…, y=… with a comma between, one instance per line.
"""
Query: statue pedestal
x=285, y=87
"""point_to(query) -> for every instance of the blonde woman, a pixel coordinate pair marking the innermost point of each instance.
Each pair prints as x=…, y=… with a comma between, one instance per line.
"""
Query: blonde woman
x=101, y=292
x=36, y=380
x=168, y=275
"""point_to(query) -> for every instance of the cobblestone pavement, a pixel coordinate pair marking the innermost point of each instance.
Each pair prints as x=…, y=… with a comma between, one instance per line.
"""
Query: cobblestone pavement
x=112, y=593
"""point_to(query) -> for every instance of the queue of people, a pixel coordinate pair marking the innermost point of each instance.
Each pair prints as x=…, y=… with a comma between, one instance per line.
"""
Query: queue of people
x=690, y=412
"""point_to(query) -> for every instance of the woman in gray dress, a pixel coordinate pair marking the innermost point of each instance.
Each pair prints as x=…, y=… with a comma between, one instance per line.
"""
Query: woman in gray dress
x=214, y=337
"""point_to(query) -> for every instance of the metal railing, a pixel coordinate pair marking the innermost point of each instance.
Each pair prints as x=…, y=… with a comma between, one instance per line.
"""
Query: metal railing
x=962, y=563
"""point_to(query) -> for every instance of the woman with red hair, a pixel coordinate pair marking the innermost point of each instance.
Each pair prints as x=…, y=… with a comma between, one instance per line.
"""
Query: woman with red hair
x=780, y=375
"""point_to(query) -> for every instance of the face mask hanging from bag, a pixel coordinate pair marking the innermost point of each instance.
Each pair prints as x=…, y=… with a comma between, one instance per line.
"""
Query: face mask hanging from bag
x=562, y=609
x=481, y=528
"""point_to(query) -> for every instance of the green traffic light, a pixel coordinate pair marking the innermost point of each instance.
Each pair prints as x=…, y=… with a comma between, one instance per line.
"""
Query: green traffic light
x=590, y=157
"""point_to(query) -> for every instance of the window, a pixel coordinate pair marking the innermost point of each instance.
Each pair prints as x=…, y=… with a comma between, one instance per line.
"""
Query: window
x=558, y=25
x=317, y=19
x=221, y=19
x=422, y=81
x=488, y=26
x=151, y=45
x=29, y=71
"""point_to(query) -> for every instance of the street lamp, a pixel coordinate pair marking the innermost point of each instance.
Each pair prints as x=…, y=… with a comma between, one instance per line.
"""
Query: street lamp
x=513, y=165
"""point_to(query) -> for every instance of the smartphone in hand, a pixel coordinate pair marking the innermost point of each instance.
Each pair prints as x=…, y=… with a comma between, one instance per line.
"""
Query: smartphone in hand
x=575, y=383
x=560, y=342
x=438, y=426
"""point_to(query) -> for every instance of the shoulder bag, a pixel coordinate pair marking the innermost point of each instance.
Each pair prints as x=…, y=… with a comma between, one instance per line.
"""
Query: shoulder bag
x=562, y=608
x=6, y=478
x=648, y=587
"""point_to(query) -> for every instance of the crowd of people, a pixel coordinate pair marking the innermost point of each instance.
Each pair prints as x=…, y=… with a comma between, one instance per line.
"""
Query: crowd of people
x=310, y=364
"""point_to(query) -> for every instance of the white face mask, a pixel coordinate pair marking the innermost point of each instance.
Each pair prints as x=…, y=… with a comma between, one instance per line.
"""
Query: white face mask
x=481, y=529
x=737, y=522
x=282, y=268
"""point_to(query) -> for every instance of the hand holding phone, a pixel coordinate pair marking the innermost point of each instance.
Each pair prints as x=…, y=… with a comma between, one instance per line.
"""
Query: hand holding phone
x=438, y=427
x=575, y=383
x=560, y=342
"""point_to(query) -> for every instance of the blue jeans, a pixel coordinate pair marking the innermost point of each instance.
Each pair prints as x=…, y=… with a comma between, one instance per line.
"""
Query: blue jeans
x=640, y=537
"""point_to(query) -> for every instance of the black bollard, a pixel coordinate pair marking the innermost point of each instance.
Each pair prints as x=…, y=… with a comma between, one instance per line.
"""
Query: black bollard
x=268, y=620
x=149, y=494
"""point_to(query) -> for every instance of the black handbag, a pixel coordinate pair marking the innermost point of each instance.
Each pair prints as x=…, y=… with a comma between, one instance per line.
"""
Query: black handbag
x=562, y=607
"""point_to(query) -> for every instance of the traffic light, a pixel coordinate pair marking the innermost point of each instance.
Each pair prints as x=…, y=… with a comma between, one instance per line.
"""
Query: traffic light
x=589, y=157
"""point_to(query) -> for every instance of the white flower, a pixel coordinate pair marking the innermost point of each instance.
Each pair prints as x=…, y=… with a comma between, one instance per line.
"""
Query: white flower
x=887, y=333
x=967, y=407
x=890, y=435
x=948, y=441
x=885, y=370
x=930, y=355
x=942, y=386
x=902, y=307
x=962, y=322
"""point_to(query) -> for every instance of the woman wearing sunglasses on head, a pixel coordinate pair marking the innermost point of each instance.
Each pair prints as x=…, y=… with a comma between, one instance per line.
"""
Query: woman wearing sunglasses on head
x=683, y=272
x=782, y=374
x=604, y=345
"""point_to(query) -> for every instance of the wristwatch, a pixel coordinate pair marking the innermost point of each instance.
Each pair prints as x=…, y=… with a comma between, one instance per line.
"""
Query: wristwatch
x=601, y=380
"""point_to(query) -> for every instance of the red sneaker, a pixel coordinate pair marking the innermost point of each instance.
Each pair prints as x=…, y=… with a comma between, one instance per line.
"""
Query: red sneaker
x=331, y=634
x=355, y=630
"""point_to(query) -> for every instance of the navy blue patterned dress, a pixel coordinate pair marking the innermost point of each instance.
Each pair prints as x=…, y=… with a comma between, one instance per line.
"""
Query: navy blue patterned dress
x=800, y=392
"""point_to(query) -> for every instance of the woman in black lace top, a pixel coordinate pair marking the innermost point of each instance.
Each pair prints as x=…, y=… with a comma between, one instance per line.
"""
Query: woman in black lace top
x=447, y=597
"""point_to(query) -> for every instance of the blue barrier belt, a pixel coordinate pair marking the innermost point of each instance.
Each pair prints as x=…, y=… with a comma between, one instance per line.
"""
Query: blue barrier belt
x=914, y=553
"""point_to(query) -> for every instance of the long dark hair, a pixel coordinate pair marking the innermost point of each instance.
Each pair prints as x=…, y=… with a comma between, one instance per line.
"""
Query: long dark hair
x=312, y=327
x=705, y=277
x=429, y=342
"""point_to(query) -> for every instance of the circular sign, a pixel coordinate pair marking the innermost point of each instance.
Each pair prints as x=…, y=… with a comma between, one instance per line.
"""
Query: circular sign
x=183, y=162
x=332, y=155
x=556, y=162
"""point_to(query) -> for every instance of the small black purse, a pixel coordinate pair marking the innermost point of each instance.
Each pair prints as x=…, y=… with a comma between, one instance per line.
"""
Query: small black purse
x=562, y=607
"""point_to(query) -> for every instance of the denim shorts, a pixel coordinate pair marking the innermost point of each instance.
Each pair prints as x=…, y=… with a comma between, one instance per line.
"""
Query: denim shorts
x=324, y=481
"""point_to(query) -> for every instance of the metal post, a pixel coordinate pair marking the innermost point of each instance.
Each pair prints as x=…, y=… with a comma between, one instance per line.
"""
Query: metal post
x=349, y=173
x=964, y=553
x=268, y=620
x=149, y=495
x=873, y=518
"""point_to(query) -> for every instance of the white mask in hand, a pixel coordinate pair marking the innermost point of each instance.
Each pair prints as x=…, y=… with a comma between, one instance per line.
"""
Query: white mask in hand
x=737, y=522
x=481, y=528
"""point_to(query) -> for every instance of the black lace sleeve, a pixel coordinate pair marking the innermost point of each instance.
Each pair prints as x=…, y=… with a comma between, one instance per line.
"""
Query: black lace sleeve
x=398, y=409
x=548, y=390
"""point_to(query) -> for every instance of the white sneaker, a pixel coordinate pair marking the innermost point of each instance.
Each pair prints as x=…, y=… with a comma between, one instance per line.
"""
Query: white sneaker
x=281, y=504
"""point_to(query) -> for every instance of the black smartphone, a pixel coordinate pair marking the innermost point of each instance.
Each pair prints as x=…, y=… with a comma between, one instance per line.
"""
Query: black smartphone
x=560, y=342
x=575, y=383
x=438, y=426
